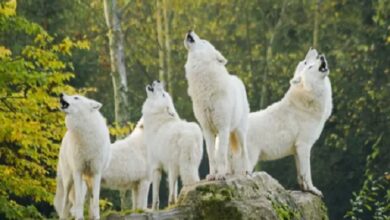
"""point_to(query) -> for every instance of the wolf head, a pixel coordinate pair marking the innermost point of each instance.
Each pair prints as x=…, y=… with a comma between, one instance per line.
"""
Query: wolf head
x=77, y=104
x=202, y=50
x=158, y=101
x=311, y=71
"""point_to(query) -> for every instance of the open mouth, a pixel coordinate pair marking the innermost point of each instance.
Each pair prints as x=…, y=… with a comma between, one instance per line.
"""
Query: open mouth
x=150, y=88
x=190, y=38
x=323, y=67
x=64, y=104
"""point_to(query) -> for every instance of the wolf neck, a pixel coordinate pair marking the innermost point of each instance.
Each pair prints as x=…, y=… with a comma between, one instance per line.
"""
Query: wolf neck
x=318, y=102
x=84, y=122
x=157, y=119
x=202, y=76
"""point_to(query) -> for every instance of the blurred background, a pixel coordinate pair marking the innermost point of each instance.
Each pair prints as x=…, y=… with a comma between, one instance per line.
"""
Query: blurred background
x=110, y=49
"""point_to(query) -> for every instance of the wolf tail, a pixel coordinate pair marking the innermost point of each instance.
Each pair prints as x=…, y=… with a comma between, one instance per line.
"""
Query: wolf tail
x=234, y=142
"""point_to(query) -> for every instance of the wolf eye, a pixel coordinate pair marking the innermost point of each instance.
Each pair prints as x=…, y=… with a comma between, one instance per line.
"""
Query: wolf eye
x=310, y=66
x=76, y=98
x=163, y=95
x=304, y=63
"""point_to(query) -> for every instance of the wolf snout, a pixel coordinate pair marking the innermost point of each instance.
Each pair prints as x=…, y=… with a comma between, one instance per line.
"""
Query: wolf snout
x=149, y=88
x=190, y=38
x=323, y=66
x=64, y=104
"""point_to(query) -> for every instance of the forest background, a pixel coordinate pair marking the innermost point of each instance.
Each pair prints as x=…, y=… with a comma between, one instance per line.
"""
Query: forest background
x=110, y=49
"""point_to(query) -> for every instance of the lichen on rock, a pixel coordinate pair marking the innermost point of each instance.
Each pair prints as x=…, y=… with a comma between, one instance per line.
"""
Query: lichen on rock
x=258, y=196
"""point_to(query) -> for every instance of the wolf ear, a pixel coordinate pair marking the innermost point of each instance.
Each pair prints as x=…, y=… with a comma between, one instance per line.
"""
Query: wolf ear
x=95, y=105
x=220, y=58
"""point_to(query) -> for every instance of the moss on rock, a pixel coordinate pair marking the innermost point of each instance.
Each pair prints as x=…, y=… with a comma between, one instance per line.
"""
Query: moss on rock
x=256, y=197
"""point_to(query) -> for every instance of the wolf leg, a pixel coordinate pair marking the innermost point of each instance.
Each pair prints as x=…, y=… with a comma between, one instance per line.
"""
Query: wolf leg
x=210, y=146
x=221, y=153
x=299, y=175
x=303, y=155
x=66, y=204
x=77, y=209
x=134, y=195
x=244, y=158
x=172, y=181
x=142, y=196
x=156, y=188
x=96, y=195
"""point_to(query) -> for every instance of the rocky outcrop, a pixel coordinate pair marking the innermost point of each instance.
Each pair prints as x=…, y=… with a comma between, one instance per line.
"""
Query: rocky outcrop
x=256, y=197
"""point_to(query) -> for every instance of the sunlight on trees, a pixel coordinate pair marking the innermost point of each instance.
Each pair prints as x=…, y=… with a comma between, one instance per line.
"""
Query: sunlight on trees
x=40, y=42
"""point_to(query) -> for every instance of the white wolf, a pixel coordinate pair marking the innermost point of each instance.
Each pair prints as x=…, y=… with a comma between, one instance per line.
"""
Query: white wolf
x=84, y=153
x=292, y=125
x=220, y=105
x=128, y=167
x=174, y=145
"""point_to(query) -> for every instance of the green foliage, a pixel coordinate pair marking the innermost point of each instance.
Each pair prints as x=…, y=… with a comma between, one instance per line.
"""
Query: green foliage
x=262, y=40
x=214, y=203
x=373, y=199
x=284, y=211
x=112, y=214
x=32, y=74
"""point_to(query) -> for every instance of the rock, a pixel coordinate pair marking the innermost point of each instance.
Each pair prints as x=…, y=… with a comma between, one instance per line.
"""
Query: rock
x=256, y=197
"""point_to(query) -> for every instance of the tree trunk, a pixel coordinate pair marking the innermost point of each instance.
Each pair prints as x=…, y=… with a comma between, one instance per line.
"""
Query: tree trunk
x=316, y=23
x=161, y=72
x=118, y=73
x=169, y=77
x=117, y=57
x=250, y=65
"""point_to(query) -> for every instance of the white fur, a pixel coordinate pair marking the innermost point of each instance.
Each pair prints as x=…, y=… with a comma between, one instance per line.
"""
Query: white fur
x=128, y=167
x=84, y=153
x=220, y=105
x=174, y=145
x=292, y=125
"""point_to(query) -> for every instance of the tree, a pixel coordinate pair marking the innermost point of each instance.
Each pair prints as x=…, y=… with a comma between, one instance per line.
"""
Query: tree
x=269, y=54
x=164, y=44
x=33, y=72
x=352, y=34
x=373, y=199
x=117, y=57
x=316, y=24
x=159, y=28
x=168, y=68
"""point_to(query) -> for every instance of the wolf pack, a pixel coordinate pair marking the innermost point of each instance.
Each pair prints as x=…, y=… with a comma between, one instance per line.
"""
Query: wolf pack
x=163, y=142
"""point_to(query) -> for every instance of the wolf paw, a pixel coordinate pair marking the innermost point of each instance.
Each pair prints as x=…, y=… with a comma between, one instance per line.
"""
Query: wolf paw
x=315, y=191
x=210, y=177
x=77, y=213
x=220, y=177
